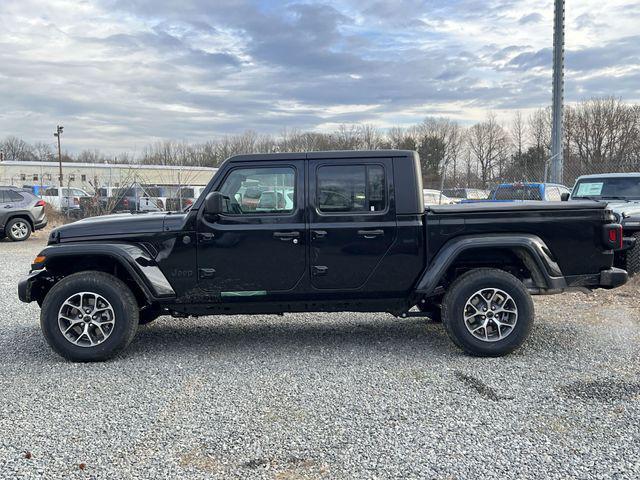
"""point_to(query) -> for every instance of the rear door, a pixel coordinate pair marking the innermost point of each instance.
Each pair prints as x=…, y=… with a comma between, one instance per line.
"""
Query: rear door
x=352, y=220
x=258, y=245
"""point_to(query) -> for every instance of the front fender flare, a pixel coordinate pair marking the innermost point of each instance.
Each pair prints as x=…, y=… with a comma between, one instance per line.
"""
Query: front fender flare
x=537, y=256
x=138, y=263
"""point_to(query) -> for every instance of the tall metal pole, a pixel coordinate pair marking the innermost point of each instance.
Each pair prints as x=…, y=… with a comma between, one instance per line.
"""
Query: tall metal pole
x=557, y=156
x=58, y=134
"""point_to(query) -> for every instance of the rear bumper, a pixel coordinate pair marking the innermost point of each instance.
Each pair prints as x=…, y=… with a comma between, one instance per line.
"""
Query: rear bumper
x=40, y=225
x=612, y=278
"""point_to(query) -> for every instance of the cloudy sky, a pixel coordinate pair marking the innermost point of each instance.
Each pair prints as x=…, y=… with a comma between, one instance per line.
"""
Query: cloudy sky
x=123, y=73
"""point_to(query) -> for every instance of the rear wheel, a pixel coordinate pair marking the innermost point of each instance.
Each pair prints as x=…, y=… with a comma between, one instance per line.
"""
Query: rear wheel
x=89, y=316
x=488, y=312
x=633, y=257
x=18, y=230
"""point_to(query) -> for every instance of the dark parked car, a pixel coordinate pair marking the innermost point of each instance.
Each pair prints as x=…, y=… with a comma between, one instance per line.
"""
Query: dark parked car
x=622, y=193
x=21, y=213
x=354, y=237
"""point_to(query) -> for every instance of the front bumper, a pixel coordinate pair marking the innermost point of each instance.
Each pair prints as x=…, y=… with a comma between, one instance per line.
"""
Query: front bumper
x=33, y=286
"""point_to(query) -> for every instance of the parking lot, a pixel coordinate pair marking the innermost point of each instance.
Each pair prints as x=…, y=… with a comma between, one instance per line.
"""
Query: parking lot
x=324, y=396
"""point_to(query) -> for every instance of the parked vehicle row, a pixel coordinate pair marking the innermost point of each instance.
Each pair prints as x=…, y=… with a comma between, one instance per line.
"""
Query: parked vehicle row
x=134, y=198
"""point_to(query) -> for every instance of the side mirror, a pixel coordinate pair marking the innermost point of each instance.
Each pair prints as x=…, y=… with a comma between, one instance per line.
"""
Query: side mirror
x=214, y=203
x=564, y=196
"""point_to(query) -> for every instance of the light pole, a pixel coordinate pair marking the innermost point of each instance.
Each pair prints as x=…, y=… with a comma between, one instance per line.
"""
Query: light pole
x=557, y=157
x=58, y=133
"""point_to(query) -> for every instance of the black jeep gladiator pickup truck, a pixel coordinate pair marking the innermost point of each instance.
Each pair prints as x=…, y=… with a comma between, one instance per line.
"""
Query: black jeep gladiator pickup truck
x=322, y=231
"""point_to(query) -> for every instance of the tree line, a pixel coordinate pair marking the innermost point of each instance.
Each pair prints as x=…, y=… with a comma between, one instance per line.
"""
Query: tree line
x=601, y=135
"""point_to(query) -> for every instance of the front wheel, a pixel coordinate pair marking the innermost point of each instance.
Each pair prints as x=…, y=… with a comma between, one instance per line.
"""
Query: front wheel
x=488, y=312
x=89, y=316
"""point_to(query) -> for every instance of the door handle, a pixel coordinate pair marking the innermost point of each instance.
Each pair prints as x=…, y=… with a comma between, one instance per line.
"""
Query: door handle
x=205, y=237
x=207, y=273
x=319, y=234
x=284, y=236
x=370, y=233
x=319, y=270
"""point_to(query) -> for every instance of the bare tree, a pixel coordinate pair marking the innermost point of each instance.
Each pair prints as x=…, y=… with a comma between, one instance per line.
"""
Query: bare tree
x=601, y=134
x=15, y=148
x=488, y=143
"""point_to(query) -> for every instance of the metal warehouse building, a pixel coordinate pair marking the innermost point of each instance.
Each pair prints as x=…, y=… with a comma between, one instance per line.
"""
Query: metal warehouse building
x=91, y=175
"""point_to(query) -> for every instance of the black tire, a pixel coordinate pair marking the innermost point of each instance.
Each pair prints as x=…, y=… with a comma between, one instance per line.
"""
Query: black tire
x=115, y=291
x=633, y=257
x=24, y=225
x=463, y=289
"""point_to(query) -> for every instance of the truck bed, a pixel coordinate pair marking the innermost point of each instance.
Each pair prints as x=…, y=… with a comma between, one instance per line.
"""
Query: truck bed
x=573, y=228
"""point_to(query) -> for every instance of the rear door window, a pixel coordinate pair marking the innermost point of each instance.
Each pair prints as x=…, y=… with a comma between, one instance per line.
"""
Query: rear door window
x=13, y=197
x=351, y=188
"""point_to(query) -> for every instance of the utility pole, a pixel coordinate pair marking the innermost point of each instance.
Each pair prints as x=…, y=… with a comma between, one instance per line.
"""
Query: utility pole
x=557, y=132
x=58, y=133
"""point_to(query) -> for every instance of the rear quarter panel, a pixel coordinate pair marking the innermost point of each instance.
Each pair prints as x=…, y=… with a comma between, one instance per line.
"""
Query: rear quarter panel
x=574, y=237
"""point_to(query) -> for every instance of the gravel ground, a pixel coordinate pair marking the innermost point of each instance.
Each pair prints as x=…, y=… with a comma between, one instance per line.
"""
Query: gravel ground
x=324, y=396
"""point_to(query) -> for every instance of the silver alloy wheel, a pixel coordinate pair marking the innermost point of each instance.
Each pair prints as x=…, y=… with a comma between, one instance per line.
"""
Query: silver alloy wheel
x=86, y=319
x=19, y=230
x=490, y=314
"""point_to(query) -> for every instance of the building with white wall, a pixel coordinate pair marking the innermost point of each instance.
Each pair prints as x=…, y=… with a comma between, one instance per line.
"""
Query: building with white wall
x=92, y=175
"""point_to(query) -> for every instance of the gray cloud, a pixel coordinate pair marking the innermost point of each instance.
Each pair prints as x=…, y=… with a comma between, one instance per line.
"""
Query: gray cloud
x=133, y=71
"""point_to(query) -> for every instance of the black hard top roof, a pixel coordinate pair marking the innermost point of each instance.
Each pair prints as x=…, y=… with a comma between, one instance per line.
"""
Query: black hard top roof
x=337, y=154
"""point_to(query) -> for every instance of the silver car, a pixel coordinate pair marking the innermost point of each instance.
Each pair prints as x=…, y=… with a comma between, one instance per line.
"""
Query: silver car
x=21, y=213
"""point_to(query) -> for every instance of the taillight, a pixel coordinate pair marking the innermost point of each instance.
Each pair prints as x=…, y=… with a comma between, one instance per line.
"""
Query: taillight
x=40, y=203
x=613, y=236
x=125, y=202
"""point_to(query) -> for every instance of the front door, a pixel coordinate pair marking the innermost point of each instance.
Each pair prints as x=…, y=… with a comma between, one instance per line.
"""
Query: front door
x=351, y=220
x=258, y=245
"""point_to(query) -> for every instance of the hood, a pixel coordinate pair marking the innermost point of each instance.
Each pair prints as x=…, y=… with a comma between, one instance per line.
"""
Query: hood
x=625, y=209
x=123, y=224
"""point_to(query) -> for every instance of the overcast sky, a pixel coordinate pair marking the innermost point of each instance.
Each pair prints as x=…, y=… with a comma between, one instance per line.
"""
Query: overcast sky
x=123, y=73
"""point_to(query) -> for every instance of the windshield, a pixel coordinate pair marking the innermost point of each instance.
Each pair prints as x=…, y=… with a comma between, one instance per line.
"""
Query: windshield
x=518, y=192
x=615, y=187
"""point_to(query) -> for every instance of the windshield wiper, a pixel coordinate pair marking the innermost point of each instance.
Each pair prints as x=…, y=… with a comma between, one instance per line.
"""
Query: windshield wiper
x=613, y=197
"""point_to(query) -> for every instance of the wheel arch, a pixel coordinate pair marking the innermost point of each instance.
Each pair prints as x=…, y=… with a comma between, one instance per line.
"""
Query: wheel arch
x=23, y=215
x=130, y=263
x=510, y=252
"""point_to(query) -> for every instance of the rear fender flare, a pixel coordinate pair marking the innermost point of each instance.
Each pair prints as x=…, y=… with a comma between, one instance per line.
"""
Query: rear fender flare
x=530, y=248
